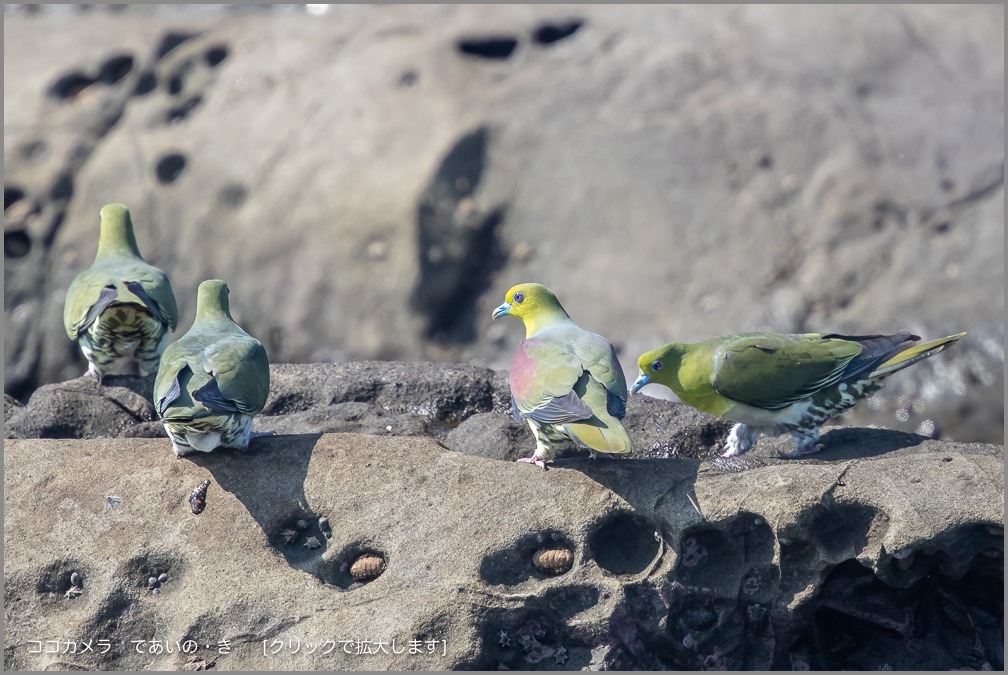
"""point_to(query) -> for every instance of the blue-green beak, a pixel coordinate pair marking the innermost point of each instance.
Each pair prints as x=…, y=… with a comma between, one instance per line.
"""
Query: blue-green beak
x=640, y=382
x=505, y=308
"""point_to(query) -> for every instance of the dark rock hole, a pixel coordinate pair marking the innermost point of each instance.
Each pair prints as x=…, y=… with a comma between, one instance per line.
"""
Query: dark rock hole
x=181, y=111
x=549, y=33
x=69, y=85
x=146, y=83
x=12, y=195
x=172, y=40
x=623, y=543
x=765, y=162
x=336, y=570
x=408, y=78
x=115, y=69
x=513, y=565
x=170, y=167
x=499, y=48
x=17, y=243
x=63, y=188
x=233, y=195
x=175, y=84
x=34, y=151
x=215, y=55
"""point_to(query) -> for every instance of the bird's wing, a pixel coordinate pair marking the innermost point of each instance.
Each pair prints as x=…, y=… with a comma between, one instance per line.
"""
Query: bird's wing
x=117, y=281
x=598, y=357
x=543, y=374
x=773, y=371
x=239, y=376
x=152, y=287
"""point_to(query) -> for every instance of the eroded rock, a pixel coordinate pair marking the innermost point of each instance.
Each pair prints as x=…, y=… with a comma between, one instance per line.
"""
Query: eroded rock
x=676, y=564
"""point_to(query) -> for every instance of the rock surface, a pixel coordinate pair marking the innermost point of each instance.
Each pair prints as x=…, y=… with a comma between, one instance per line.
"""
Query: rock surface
x=884, y=550
x=886, y=561
x=370, y=180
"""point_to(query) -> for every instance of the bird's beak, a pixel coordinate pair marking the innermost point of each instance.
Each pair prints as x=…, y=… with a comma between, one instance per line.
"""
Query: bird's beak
x=640, y=382
x=505, y=308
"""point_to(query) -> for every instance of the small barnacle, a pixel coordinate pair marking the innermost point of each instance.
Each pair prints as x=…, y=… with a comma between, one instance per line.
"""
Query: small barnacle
x=368, y=566
x=163, y=577
x=301, y=524
x=504, y=640
x=312, y=542
x=561, y=656
x=289, y=536
x=553, y=560
x=197, y=498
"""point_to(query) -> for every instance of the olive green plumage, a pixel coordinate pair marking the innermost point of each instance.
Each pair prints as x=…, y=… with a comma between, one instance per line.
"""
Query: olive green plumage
x=121, y=308
x=774, y=383
x=213, y=380
x=565, y=382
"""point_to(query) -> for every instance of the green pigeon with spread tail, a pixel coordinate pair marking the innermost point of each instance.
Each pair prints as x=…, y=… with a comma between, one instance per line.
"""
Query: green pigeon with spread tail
x=565, y=382
x=773, y=383
x=121, y=308
x=213, y=380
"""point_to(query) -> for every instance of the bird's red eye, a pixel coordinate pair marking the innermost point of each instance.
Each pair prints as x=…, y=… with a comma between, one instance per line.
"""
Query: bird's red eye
x=656, y=366
x=519, y=296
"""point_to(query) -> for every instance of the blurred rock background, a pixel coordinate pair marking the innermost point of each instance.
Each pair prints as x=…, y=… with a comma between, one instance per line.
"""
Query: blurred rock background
x=370, y=180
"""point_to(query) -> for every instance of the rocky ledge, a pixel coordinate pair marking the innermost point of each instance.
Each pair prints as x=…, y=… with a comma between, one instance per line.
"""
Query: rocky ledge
x=885, y=550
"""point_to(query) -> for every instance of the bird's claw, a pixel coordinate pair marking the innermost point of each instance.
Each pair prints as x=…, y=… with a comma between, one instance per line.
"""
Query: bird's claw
x=541, y=463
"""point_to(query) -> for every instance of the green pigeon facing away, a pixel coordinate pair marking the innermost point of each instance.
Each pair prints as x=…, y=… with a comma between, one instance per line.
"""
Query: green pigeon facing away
x=120, y=308
x=772, y=383
x=213, y=380
x=565, y=382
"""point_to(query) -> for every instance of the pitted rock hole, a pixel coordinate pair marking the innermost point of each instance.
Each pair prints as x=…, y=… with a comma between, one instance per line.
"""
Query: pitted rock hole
x=494, y=48
x=55, y=579
x=177, y=113
x=513, y=565
x=170, y=167
x=68, y=86
x=215, y=55
x=623, y=543
x=115, y=69
x=17, y=243
x=550, y=33
x=146, y=83
x=172, y=40
x=335, y=570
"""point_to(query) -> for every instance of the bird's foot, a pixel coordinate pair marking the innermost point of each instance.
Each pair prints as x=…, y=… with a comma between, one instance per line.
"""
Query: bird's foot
x=740, y=439
x=94, y=374
x=538, y=461
x=801, y=450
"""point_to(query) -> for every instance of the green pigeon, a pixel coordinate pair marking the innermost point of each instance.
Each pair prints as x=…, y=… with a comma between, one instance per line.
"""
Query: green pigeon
x=121, y=308
x=565, y=382
x=212, y=380
x=772, y=383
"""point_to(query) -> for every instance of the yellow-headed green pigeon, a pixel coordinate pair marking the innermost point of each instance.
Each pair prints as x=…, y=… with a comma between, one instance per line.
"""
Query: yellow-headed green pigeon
x=120, y=308
x=212, y=380
x=565, y=382
x=772, y=383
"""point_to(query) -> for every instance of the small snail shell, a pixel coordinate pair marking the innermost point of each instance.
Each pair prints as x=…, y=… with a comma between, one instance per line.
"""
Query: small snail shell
x=366, y=567
x=553, y=560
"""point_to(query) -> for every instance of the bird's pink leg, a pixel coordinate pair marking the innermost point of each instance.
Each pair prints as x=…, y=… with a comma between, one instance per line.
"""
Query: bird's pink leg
x=538, y=461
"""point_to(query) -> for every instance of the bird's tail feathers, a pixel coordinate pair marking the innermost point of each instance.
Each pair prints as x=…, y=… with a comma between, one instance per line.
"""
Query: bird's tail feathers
x=912, y=355
x=612, y=439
